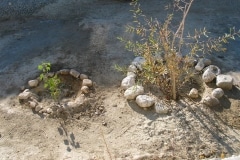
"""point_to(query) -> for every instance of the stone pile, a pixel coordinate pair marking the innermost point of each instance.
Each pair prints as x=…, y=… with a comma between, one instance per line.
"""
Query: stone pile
x=32, y=100
x=211, y=72
x=135, y=92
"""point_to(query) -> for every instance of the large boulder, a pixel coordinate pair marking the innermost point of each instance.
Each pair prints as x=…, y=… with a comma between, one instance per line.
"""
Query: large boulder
x=144, y=101
x=133, y=92
x=224, y=81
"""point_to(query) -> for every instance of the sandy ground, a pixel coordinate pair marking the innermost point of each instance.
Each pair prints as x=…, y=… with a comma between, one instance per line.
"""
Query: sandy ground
x=81, y=34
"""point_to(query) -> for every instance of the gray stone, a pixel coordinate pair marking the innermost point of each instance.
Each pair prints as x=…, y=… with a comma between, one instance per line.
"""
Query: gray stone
x=128, y=82
x=144, y=101
x=64, y=71
x=33, y=83
x=218, y=93
x=83, y=76
x=210, y=101
x=133, y=92
x=193, y=93
x=210, y=73
x=161, y=108
x=74, y=73
x=214, y=69
x=224, y=81
x=87, y=82
x=138, y=62
x=200, y=65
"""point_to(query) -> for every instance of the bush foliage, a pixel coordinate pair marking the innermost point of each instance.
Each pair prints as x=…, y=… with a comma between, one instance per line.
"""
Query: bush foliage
x=168, y=52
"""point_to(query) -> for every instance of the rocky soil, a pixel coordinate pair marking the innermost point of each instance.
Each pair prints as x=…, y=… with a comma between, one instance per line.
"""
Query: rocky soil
x=81, y=35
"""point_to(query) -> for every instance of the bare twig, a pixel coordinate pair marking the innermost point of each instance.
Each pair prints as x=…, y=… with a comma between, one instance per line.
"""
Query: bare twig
x=108, y=151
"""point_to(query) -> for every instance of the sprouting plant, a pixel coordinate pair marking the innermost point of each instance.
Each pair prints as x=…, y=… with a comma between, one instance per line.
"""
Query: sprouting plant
x=50, y=83
x=168, y=53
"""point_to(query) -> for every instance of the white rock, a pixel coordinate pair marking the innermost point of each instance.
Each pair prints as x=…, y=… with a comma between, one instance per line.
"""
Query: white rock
x=193, y=93
x=200, y=65
x=83, y=76
x=132, y=68
x=85, y=89
x=131, y=74
x=72, y=104
x=49, y=110
x=233, y=157
x=138, y=62
x=218, y=93
x=133, y=92
x=210, y=73
x=160, y=108
x=224, y=81
x=33, y=83
x=32, y=104
x=144, y=101
x=25, y=94
x=128, y=82
x=74, y=73
x=208, y=76
x=38, y=108
x=87, y=82
x=210, y=101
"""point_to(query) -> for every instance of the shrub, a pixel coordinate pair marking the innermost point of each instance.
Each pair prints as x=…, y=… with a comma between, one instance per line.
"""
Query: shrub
x=168, y=53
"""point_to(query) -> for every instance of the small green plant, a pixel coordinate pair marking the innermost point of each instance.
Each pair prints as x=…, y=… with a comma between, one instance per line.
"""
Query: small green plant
x=50, y=83
x=120, y=68
x=167, y=51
